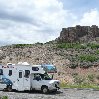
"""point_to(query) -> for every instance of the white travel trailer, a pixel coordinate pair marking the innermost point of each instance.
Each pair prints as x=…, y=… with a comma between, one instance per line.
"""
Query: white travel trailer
x=23, y=77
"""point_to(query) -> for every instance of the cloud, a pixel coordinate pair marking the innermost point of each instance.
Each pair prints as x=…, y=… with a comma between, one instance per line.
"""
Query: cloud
x=32, y=21
x=23, y=21
x=89, y=18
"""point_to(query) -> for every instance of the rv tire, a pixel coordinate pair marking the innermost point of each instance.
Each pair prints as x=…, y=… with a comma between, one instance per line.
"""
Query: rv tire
x=31, y=89
x=9, y=88
x=44, y=89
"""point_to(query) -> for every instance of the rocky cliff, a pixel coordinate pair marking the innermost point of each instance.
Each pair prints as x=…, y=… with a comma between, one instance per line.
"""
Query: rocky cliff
x=79, y=34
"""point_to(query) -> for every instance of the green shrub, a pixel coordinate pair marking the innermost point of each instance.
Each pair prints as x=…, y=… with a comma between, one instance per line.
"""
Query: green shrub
x=97, y=51
x=38, y=43
x=4, y=97
x=93, y=46
x=97, y=77
x=62, y=84
x=71, y=45
x=85, y=65
x=91, y=77
x=21, y=45
x=78, y=45
x=73, y=65
x=83, y=85
x=90, y=58
x=78, y=80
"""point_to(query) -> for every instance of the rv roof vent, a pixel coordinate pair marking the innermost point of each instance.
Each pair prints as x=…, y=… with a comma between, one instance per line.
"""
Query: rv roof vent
x=19, y=62
x=23, y=63
x=9, y=63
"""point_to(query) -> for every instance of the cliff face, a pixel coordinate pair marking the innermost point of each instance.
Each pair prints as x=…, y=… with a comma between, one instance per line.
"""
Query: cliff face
x=79, y=34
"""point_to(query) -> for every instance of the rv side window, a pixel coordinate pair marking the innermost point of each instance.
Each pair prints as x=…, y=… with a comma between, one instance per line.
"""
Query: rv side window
x=1, y=72
x=20, y=74
x=10, y=72
x=27, y=73
x=35, y=68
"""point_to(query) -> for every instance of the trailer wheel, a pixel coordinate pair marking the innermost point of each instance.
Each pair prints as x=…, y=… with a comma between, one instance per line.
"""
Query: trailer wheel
x=9, y=88
x=45, y=89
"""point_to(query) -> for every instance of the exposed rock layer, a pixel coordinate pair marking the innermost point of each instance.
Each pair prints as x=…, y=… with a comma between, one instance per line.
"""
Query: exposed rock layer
x=79, y=34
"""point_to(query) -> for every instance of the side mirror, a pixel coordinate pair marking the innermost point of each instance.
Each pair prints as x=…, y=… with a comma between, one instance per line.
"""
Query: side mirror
x=52, y=76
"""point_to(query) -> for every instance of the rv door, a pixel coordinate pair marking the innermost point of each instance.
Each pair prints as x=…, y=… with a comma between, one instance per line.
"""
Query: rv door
x=27, y=80
x=20, y=81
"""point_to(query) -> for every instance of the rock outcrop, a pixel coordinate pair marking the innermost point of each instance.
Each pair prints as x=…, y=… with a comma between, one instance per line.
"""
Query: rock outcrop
x=79, y=34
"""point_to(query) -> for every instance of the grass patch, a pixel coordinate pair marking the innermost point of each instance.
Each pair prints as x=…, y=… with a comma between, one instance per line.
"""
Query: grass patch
x=93, y=46
x=71, y=45
x=97, y=51
x=87, y=58
x=4, y=97
x=21, y=45
x=84, y=86
x=78, y=45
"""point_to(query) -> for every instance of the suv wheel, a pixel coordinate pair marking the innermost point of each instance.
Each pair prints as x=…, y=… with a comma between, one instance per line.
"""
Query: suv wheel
x=44, y=89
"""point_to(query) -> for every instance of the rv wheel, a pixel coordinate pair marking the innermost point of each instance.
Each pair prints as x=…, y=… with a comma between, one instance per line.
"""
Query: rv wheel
x=9, y=88
x=45, y=89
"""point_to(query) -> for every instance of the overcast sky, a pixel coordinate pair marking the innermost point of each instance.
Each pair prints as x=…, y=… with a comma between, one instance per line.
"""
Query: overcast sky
x=31, y=21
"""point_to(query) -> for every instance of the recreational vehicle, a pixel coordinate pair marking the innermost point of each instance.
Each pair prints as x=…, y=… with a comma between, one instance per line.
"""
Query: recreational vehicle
x=23, y=77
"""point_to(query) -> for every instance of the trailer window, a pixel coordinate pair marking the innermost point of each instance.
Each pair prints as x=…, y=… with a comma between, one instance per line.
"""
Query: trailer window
x=20, y=74
x=27, y=73
x=35, y=68
x=10, y=72
x=1, y=72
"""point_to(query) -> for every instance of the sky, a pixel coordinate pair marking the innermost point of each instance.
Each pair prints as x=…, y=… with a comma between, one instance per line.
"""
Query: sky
x=31, y=21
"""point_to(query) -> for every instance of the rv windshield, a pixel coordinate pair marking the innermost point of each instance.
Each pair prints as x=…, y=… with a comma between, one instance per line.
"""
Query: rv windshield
x=45, y=77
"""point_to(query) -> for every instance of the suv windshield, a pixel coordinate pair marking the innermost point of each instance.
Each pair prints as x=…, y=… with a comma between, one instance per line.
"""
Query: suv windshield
x=45, y=77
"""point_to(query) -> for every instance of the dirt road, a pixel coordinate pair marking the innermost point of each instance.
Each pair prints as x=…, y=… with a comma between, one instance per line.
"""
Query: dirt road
x=62, y=94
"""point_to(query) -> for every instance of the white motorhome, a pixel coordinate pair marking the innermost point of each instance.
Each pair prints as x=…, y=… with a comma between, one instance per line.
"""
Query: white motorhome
x=27, y=77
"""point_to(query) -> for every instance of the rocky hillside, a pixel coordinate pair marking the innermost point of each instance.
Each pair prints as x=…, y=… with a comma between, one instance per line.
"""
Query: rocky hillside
x=79, y=34
x=76, y=62
x=71, y=60
x=34, y=54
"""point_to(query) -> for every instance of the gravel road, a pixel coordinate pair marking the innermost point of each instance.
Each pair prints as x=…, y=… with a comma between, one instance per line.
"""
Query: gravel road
x=62, y=94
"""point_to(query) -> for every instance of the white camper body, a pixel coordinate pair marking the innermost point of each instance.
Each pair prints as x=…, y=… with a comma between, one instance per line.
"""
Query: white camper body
x=24, y=77
x=20, y=75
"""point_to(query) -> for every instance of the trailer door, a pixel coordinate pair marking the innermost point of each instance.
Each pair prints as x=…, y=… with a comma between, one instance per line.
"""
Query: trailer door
x=20, y=81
